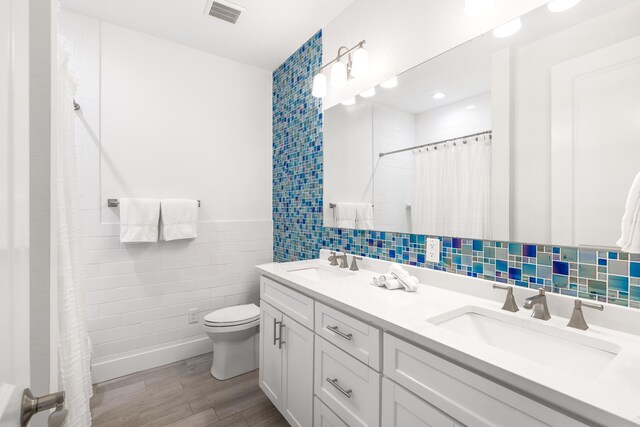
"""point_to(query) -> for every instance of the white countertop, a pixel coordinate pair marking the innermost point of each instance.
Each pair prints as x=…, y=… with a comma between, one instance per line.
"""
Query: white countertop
x=610, y=398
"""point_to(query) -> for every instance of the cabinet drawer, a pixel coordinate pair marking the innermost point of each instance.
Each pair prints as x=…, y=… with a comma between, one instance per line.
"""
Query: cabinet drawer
x=347, y=386
x=465, y=396
x=324, y=417
x=295, y=305
x=402, y=408
x=357, y=338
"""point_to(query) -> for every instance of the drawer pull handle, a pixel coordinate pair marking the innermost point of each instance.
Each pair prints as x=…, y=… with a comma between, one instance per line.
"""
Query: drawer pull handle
x=334, y=382
x=339, y=332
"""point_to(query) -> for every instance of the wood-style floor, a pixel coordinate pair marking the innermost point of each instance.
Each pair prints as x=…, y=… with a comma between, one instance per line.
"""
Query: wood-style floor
x=183, y=394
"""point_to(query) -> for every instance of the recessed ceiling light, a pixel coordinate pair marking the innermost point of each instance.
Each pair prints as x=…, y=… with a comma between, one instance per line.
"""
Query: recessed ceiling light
x=470, y=107
x=368, y=93
x=388, y=84
x=561, y=5
x=508, y=29
x=349, y=101
x=438, y=95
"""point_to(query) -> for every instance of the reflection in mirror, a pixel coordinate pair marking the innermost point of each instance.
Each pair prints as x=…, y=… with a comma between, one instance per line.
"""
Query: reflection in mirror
x=533, y=137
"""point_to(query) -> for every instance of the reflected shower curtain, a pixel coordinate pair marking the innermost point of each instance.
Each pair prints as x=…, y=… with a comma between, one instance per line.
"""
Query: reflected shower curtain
x=74, y=346
x=451, y=189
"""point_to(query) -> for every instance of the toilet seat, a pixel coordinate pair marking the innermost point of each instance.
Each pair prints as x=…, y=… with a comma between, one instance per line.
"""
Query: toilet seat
x=246, y=315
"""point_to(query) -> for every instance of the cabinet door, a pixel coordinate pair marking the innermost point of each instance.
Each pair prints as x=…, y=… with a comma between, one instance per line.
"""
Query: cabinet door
x=401, y=408
x=270, y=374
x=297, y=373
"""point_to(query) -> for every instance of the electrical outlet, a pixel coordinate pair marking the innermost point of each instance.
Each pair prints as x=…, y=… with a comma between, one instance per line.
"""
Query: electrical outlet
x=433, y=250
x=193, y=315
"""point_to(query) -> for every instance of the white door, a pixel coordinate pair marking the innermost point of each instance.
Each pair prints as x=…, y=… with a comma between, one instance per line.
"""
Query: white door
x=595, y=140
x=270, y=373
x=297, y=373
x=14, y=208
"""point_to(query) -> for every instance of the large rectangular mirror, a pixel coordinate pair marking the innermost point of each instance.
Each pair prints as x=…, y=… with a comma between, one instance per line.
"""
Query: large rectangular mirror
x=532, y=137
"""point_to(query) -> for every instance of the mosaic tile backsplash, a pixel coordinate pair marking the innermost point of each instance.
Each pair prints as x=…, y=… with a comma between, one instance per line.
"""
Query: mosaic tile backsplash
x=297, y=156
x=606, y=276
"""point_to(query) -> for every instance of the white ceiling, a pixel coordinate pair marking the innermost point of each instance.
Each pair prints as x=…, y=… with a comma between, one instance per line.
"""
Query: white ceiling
x=266, y=33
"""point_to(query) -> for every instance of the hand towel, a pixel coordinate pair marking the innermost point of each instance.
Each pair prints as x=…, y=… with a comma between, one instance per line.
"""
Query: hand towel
x=139, y=220
x=376, y=282
x=397, y=269
x=393, y=284
x=630, y=239
x=364, y=216
x=409, y=283
x=344, y=215
x=384, y=279
x=179, y=219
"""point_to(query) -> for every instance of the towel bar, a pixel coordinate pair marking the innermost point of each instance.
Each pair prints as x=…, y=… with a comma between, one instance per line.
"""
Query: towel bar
x=114, y=203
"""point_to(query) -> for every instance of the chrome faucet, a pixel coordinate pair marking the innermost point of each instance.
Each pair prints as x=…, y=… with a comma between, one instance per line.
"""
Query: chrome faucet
x=539, y=305
x=510, y=301
x=577, y=317
x=343, y=260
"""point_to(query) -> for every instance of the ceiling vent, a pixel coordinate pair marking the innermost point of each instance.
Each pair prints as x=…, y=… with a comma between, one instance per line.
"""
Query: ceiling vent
x=224, y=10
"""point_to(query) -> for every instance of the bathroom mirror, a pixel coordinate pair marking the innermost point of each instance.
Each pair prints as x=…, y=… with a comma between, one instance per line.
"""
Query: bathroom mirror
x=528, y=133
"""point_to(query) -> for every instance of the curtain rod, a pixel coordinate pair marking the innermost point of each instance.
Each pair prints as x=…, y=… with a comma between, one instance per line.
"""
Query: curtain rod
x=433, y=143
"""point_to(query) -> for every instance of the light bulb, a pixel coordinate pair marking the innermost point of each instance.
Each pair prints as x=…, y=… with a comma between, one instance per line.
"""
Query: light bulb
x=438, y=95
x=388, y=84
x=349, y=101
x=508, y=29
x=475, y=8
x=368, y=93
x=338, y=75
x=360, y=63
x=561, y=5
x=319, y=86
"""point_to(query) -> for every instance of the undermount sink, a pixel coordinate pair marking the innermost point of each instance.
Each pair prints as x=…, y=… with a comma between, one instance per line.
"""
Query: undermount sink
x=320, y=273
x=527, y=338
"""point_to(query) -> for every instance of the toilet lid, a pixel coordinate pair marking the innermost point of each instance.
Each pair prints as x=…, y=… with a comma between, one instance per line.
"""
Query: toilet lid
x=234, y=315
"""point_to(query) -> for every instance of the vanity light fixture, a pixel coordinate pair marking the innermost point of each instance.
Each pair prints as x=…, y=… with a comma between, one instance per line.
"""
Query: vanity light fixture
x=508, y=29
x=438, y=95
x=349, y=101
x=475, y=8
x=369, y=92
x=391, y=83
x=357, y=66
x=561, y=5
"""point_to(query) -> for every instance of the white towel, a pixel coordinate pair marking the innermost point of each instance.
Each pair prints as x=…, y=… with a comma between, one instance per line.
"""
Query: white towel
x=397, y=269
x=384, y=279
x=393, y=284
x=179, y=219
x=139, y=220
x=364, y=216
x=344, y=215
x=630, y=239
x=409, y=283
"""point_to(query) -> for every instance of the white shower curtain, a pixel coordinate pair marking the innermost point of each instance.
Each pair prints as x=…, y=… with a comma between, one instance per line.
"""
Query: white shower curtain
x=451, y=189
x=74, y=346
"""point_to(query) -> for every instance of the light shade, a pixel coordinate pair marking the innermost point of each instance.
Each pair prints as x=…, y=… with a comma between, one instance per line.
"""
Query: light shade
x=369, y=92
x=475, y=8
x=349, y=101
x=388, y=84
x=319, y=86
x=508, y=29
x=338, y=75
x=360, y=63
x=561, y=5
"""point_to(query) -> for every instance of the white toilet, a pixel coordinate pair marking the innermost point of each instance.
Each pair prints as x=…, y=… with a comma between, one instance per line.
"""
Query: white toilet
x=234, y=332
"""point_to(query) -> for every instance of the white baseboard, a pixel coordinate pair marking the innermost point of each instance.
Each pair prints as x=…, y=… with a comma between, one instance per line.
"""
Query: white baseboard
x=118, y=367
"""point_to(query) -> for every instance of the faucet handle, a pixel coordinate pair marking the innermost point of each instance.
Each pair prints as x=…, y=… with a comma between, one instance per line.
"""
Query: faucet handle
x=577, y=317
x=354, y=264
x=332, y=258
x=510, y=301
x=541, y=291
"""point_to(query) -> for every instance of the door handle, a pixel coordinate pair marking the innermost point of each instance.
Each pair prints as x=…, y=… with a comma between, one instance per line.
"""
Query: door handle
x=32, y=405
x=280, y=342
x=339, y=332
x=334, y=382
x=275, y=323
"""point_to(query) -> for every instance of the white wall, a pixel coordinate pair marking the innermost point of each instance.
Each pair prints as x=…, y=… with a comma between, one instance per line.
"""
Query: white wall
x=163, y=120
x=393, y=129
x=347, y=153
x=404, y=33
x=454, y=120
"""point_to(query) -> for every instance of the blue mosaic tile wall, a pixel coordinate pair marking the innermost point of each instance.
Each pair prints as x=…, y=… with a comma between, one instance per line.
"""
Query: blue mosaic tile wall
x=297, y=156
x=605, y=276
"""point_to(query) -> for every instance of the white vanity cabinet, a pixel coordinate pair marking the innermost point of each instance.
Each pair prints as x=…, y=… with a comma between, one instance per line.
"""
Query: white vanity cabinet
x=286, y=363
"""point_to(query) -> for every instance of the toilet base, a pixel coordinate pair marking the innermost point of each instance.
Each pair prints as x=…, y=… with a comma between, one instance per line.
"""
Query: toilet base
x=234, y=353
